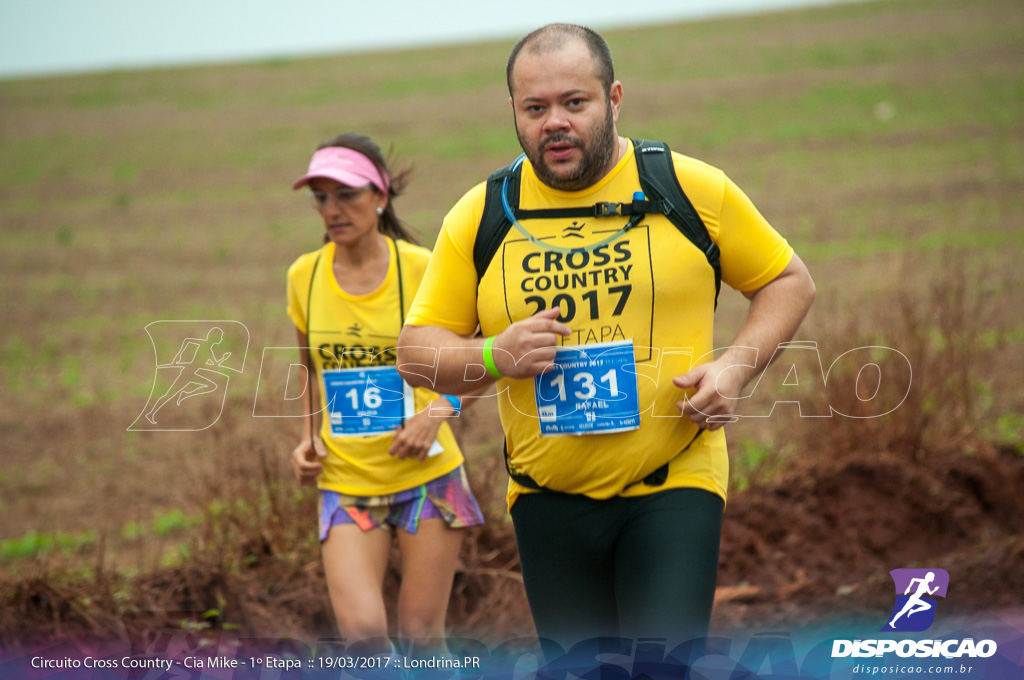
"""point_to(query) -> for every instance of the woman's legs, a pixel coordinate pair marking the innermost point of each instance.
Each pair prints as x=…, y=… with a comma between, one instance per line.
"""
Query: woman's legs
x=355, y=562
x=429, y=558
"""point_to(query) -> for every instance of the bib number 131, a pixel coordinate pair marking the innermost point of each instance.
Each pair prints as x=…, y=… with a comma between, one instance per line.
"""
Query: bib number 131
x=587, y=387
x=591, y=390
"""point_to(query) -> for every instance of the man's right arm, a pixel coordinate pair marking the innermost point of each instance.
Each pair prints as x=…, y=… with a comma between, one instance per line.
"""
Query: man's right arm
x=449, y=363
x=441, y=360
x=437, y=347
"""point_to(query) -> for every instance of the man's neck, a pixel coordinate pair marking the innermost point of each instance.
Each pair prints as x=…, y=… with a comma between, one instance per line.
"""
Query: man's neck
x=621, y=146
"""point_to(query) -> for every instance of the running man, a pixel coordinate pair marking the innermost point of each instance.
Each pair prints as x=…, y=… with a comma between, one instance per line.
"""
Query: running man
x=615, y=450
x=194, y=378
x=916, y=604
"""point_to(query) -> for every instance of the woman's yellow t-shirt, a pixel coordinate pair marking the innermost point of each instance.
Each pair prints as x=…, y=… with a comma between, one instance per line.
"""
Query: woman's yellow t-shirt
x=359, y=331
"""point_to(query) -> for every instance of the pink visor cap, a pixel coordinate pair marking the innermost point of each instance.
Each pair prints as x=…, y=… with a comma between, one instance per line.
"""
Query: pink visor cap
x=344, y=165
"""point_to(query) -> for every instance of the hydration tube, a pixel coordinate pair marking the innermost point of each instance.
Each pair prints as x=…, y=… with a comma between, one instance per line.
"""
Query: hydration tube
x=510, y=215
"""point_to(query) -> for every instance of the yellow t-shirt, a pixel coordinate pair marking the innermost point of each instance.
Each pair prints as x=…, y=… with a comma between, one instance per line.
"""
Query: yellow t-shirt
x=349, y=331
x=651, y=285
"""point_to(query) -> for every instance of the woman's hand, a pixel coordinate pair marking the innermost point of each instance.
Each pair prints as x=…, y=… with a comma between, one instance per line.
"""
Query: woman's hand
x=306, y=462
x=417, y=435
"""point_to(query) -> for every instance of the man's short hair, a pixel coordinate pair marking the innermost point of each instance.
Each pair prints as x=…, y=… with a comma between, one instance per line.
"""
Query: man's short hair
x=554, y=37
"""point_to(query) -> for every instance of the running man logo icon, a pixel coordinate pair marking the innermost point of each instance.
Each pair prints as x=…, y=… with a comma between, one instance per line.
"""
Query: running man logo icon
x=204, y=355
x=573, y=230
x=915, y=605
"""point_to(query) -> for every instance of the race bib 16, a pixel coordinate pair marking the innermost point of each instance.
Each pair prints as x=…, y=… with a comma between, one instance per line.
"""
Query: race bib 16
x=366, y=401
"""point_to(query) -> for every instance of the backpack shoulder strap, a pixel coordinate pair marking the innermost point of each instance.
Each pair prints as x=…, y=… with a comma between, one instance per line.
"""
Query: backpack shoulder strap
x=659, y=181
x=493, y=223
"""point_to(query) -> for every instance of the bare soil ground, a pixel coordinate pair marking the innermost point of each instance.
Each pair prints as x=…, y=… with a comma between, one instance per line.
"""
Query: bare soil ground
x=814, y=544
x=821, y=540
x=131, y=197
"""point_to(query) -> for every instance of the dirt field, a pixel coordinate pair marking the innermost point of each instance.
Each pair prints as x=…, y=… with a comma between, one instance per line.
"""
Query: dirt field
x=823, y=538
x=885, y=140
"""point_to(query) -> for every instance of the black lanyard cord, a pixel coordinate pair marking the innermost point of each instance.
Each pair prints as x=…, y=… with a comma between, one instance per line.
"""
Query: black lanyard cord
x=310, y=362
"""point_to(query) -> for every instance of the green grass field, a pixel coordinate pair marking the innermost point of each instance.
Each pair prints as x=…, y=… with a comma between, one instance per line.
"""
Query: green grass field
x=884, y=139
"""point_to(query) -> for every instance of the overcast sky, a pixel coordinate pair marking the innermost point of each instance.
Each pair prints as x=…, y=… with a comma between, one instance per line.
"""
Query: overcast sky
x=63, y=36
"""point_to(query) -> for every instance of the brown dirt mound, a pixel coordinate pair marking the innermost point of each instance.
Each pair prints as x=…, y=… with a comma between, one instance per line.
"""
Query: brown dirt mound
x=825, y=537
x=818, y=542
x=273, y=598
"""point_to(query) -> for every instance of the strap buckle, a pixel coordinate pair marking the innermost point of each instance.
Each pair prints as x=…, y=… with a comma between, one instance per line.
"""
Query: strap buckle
x=606, y=209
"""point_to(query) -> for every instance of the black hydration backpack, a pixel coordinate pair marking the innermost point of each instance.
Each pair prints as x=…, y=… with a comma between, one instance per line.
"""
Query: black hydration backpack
x=661, y=195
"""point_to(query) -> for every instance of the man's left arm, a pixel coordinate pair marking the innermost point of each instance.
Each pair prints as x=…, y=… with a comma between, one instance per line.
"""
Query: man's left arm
x=776, y=311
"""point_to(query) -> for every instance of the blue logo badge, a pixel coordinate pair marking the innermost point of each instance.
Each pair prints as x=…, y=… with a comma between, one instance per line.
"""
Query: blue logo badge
x=916, y=590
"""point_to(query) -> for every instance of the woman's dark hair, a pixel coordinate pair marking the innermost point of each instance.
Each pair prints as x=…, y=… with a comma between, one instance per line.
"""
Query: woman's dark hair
x=389, y=224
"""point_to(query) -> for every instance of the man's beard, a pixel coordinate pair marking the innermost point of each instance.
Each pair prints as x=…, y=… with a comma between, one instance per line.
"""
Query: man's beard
x=596, y=155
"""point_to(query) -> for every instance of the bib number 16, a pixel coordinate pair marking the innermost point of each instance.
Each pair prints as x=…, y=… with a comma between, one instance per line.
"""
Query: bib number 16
x=362, y=402
x=371, y=398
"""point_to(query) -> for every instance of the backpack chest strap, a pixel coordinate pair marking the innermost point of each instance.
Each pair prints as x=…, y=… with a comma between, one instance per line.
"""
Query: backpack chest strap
x=601, y=209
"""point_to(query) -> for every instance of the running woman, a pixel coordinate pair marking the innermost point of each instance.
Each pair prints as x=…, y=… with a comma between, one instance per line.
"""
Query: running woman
x=384, y=459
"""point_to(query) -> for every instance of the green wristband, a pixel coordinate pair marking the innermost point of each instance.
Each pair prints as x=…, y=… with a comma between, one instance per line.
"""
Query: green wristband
x=489, y=359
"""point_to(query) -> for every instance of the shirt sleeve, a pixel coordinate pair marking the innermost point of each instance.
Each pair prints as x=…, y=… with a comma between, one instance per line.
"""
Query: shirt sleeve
x=447, y=294
x=752, y=251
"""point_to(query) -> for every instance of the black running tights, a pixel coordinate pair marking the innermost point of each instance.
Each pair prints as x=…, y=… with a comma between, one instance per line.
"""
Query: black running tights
x=629, y=567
